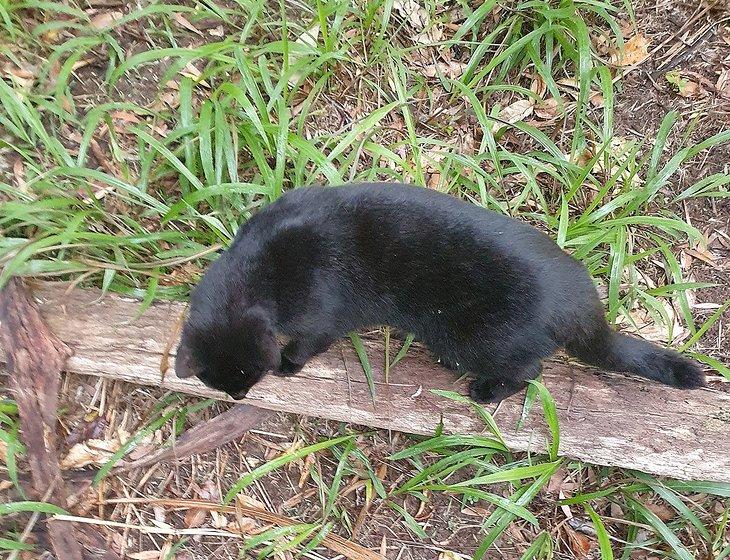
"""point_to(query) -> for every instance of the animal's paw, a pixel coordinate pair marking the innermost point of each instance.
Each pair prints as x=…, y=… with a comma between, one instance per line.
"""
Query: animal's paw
x=481, y=391
x=683, y=373
x=490, y=390
x=448, y=364
x=287, y=367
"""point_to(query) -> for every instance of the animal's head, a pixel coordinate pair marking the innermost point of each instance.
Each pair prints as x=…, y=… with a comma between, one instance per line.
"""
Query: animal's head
x=227, y=343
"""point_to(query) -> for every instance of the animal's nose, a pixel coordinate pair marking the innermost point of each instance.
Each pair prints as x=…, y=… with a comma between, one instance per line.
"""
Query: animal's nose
x=238, y=395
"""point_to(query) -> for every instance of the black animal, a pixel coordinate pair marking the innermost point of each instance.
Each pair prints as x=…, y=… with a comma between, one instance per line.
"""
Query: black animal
x=486, y=293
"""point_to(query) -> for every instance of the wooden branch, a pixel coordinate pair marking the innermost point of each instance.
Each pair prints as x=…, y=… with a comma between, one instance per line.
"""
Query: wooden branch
x=35, y=359
x=606, y=419
x=226, y=427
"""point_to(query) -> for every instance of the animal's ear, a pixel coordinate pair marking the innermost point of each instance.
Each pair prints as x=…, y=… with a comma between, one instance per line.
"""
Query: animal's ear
x=259, y=325
x=185, y=364
x=272, y=351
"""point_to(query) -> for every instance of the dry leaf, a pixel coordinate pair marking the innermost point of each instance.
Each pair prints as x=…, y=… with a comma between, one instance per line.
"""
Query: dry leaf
x=92, y=452
x=434, y=180
x=450, y=555
x=418, y=18
x=125, y=116
x=684, y=86
x=306, y=470
x=663, y=512
x=538, y=85
x=451, y=69
x=180, y=19
x=19, y=172
x=596, y=99
x=636, y=50
x=22, y=76
x=580, y=544
x=555, y=484
x=219, y=520
x=547, y=109
x=194, y=517
x=626, y=27
x=476, y=511
x=103, y=20
x=250, y=501
x=424, y=513
x=209, y=492
x=243, y=525
x=647, y=328
x=515, y=112
x=723, y=83
x=413, y=13
x=191, y=71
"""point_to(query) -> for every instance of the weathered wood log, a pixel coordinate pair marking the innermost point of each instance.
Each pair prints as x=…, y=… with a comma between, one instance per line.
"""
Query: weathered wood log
x=606, y=419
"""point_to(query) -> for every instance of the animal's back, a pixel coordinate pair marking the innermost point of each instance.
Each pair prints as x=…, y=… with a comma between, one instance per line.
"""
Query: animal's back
x=488, y=293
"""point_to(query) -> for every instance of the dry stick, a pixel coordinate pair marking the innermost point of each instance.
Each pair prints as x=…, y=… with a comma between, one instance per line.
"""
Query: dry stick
x=35, y=360
x=226, y=427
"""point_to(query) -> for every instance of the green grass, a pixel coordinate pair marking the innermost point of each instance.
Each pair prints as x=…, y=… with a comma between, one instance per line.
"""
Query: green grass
x=330, y=92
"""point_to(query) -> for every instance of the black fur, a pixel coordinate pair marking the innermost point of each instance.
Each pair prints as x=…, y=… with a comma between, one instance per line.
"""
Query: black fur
x=489, y=293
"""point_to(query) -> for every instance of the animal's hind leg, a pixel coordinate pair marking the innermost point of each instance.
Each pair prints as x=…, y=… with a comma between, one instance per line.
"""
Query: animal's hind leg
x=495, y=384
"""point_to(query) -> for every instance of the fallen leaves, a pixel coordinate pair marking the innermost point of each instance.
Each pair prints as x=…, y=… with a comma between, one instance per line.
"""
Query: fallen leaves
x=451, y=69
x=517, y=111
x=182, y=21
x=547, y=109
x=579, y=544
x=91, y=452
x=635, y=51
x=104, y=20
x=24, y=76
x=418, y=18
x=663, y=512
x=684, y=86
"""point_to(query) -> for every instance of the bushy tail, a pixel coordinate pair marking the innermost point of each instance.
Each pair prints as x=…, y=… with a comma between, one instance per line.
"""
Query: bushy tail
x=617, y=352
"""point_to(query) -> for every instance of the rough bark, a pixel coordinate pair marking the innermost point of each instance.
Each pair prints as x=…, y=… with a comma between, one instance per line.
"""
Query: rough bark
x=35, y=358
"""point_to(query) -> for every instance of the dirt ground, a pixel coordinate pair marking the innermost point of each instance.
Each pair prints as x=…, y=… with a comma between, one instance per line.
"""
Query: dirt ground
x=697, y=44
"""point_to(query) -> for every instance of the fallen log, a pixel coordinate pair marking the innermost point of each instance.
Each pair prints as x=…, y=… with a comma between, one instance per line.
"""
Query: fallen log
x=605, y=419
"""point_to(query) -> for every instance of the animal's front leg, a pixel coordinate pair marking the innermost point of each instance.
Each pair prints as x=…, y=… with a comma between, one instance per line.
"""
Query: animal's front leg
x=298, y=352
